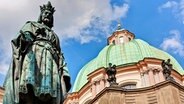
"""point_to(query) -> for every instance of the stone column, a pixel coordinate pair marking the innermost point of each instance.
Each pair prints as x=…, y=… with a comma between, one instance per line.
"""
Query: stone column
x=156, y=76
x=161, y=76
x=102, y=84
x=146, y=76
x=97, y=87
x=93, y=89
x=151, y=77
x=143, y=84
x=116, y=39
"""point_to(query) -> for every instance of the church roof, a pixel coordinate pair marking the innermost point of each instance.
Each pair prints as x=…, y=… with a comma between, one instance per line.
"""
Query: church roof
x=122, y=54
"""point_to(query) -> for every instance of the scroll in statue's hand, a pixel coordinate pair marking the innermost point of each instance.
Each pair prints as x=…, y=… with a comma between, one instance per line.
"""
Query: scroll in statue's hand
x=27, y=36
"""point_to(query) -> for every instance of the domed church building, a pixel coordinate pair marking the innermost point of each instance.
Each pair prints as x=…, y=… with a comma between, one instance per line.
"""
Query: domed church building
x=143, y=75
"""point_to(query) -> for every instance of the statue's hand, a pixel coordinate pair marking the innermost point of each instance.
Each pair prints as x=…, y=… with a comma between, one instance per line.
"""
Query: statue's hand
x=27, y=36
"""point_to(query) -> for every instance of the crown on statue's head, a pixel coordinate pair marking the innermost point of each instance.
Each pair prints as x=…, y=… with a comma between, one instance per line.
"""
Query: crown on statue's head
x=48, y=7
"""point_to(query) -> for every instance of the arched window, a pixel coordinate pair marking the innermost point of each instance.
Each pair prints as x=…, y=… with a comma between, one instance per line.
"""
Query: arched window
x=121, y=40
x=131, y=85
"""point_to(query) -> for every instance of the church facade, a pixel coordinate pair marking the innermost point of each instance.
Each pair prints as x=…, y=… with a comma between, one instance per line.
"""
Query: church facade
x=139, y=74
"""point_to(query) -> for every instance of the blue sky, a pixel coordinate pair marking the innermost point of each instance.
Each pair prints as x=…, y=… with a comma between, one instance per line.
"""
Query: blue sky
x=84, y=25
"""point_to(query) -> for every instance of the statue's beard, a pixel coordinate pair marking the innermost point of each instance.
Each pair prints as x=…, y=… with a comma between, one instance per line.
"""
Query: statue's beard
x=46, y=21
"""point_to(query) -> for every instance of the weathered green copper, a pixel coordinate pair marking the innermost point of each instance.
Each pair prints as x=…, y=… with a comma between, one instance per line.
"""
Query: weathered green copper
x=123, y=54
x=38, y=73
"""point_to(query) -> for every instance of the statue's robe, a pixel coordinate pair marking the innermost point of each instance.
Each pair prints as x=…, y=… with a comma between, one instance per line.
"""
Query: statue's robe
x=37, y=61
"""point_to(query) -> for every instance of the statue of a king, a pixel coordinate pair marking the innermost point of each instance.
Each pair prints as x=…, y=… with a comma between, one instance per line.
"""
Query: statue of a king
x=38, y=72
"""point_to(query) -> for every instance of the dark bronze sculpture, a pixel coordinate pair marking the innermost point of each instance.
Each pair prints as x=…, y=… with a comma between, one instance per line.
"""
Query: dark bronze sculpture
x=167, y=68
x=111, y=72
x=38, y=73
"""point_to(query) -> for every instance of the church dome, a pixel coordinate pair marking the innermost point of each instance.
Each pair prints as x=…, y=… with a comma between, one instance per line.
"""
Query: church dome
x=122, y=55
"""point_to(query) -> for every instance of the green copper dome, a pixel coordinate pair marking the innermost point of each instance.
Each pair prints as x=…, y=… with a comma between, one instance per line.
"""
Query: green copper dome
x=122, y=54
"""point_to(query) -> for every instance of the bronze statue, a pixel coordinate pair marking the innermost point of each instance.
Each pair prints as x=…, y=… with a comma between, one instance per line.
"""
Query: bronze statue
x=38, y=73
x=167, y=68
x=111, y=72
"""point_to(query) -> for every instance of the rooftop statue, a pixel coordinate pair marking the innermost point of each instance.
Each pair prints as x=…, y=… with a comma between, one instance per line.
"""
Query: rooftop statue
x=111, y=72
x=167, y=68
x=38, y=73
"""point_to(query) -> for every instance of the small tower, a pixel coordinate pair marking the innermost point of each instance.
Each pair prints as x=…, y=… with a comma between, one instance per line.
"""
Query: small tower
x=120, y=36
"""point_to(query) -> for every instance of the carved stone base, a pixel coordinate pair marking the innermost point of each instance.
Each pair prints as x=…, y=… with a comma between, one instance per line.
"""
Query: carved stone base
x=114, y=85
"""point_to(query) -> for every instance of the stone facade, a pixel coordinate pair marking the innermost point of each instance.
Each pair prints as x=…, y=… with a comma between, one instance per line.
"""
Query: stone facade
x=166, y=92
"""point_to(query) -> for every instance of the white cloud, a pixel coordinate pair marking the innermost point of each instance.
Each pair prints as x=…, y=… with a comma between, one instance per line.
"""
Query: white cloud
x=174, y=43
x=82, y=20
x=5, y=58
x=4, y=68
x=89, y=14
x=177, y=8
x=120, y=11
x=169, y=4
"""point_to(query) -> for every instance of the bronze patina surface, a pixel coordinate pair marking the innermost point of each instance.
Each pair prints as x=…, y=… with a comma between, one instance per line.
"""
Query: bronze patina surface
x=38, y=73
